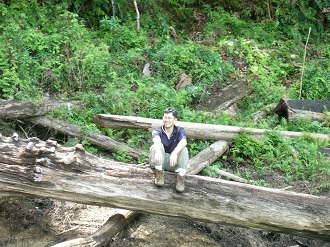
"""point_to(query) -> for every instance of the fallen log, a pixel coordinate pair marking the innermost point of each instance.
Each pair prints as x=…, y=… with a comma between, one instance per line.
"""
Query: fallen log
x=226, y=97
x=46, y=169
x=292, y=109
x=93, y=137
x=206, y=157
x=197, y=163
x=116, y=222
x=194, y=130
x=104, y=234
x=22, y=109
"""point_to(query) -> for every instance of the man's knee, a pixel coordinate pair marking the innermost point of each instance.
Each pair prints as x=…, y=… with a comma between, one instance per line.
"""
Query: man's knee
x=153, y=153
x=183, y=158
x=184, y=153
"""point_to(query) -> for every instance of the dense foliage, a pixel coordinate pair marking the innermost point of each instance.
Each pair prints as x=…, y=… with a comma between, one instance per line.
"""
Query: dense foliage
x=92, y=50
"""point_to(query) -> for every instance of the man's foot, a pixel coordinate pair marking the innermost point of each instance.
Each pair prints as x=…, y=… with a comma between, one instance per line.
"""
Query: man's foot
x=179, y=183
x=159, y=178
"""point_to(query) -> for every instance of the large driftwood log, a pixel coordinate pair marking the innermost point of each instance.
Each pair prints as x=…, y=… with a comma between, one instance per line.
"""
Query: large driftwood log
x=194, y=130
x=197, y=163
x=93, y=137
x=46, y=169
x=22, y=109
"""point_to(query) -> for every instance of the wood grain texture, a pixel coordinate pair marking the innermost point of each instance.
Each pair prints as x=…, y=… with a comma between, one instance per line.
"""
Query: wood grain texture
x=46, y=169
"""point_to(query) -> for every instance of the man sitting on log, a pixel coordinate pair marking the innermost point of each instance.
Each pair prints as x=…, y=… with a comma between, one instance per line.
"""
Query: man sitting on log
x=169, y=151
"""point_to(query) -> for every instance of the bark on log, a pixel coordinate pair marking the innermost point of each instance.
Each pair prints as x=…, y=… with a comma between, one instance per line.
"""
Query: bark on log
x=116, y=224
x=102, y=236
x=227, y=96
x=194, y=130
x=22, y=109
x=93, y=137
x=46, y=169
x=207, y=157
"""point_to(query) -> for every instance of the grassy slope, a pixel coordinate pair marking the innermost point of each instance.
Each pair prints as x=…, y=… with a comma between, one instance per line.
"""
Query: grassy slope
x=55, y=51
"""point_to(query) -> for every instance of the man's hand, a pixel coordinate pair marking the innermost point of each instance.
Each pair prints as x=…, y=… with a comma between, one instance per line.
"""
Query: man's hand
x=159, y=157
x=173, y=158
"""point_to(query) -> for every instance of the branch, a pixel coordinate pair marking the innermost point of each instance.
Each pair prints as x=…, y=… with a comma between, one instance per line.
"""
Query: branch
x=137, y=15
x=303, y=67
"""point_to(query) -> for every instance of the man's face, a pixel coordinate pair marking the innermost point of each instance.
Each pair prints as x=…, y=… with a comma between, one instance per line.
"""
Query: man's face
x=169, y=120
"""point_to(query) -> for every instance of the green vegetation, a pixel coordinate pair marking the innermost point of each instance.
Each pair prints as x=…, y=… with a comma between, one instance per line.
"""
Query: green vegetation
x=92, y=51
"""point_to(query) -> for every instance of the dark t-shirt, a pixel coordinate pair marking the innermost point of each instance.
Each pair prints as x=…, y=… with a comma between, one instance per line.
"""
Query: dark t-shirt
x=170, y=144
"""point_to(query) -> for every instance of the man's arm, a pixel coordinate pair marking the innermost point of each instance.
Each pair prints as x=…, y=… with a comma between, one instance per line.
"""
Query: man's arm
x=180, y=146
x=157, y=141
x=174, y=154
x=158, y=154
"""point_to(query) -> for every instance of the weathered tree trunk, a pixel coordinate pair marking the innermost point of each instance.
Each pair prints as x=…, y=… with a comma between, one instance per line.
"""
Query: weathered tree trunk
x=207, y=157
x=291, y=109
x=114, y=224
x=22, y=109
x=230, y=95
x=46, y=169
x=194, y=130
x=93, y=137
x=196, y=164
x=200, y=161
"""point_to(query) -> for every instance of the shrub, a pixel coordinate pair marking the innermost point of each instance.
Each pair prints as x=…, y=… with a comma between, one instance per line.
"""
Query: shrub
x=315, y=83
x=298, y=159
x=203, y=65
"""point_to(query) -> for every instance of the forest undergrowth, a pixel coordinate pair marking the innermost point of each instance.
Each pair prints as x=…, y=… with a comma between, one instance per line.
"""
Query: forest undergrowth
x=94, y=52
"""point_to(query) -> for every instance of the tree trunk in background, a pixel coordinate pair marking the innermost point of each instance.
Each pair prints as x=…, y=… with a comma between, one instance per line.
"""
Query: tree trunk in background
x=93, y=137
x=194, y=130
x=23, y=109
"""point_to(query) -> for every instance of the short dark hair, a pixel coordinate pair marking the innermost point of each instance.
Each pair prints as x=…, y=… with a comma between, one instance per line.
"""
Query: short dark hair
x=171, y=110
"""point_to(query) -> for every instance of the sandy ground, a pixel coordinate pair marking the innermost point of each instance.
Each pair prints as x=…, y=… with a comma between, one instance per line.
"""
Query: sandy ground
x=41, y=222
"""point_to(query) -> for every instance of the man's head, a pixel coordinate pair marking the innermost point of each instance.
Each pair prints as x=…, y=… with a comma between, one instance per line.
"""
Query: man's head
x=169, y=117
x=171, y=110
